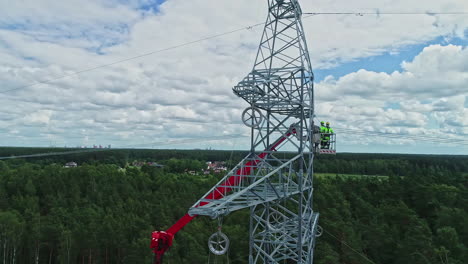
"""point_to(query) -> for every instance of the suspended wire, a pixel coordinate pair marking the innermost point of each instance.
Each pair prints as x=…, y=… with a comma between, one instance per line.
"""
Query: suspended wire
x=131, y=58
x=136, y=57
x=399, y=135
x=234, y=136
x=346, y=244
x=344, y=130
x=165, y=143
x=402, y=136
x=53, y=154
x=386, y=13
x=190, y=140
x=217, y=36
x=422, y=139
x=347, y=131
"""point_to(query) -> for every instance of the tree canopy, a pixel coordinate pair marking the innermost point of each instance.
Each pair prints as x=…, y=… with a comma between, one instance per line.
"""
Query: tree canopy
x=103, y=211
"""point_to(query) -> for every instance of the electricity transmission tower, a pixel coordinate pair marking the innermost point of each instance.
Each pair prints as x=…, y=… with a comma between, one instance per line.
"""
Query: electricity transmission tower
x=277, y=187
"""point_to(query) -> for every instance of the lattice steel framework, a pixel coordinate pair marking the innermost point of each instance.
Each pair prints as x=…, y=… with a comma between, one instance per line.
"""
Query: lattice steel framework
x=276, y=186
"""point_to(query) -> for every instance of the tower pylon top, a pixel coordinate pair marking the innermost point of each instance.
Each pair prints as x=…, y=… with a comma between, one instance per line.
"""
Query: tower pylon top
x=281, y=80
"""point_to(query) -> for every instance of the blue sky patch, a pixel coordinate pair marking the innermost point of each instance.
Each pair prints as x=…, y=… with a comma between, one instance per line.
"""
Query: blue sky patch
x=390, y=105
x=151, y=5
x=387, y=62
x=154, y=3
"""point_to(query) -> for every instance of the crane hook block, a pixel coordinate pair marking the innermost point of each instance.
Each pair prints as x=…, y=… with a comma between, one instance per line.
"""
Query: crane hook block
x=218, y=243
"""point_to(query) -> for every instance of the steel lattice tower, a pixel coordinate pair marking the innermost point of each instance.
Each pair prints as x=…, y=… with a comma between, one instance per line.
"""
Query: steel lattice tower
x=276, y=186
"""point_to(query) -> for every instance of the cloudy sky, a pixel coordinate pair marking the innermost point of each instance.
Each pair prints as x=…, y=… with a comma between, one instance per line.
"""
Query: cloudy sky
x=392, y=74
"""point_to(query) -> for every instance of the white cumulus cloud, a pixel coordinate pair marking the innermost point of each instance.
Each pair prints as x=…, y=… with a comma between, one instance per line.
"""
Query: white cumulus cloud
x=186, y=92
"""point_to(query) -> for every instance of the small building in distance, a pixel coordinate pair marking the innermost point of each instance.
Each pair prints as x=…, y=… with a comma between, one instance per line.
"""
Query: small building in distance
x=216, y=167
x=71, y=164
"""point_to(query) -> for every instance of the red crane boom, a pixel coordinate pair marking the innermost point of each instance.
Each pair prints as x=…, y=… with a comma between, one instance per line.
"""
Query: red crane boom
x=161, y=241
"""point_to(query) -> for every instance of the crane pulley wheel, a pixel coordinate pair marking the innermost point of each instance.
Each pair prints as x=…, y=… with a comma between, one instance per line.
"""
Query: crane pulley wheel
x=319, y=231
x=218, y=243
x=276, y=219
x=252, y=117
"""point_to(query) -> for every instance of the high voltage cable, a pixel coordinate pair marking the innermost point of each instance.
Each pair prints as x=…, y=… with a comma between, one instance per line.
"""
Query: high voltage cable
x=133, y=58
x=190, y=140
x=54, y=153
x=165, y=143
x=136, y=57
x=217, y=36
x=462, y=143
x=195, y=140
x=403, y=136
x=440, y=140
x=344, y=243
x=399, y=134
x=386, y=13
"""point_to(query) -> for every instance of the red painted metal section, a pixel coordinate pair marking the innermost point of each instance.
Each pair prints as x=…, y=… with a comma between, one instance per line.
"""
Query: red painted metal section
x=161, y=241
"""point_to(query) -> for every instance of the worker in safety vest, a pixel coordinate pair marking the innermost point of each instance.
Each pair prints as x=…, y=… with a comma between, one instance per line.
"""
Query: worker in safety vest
x=323, y=131
x=329, y=132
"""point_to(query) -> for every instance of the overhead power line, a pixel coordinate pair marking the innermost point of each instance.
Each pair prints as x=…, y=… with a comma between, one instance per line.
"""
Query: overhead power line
x=164, y=143
x=135, y=57
x=386, y=13
x=310, y=14
x=355, y=132
x=131, y=58
x=54, y=153
x=399, y=136
x=347, y=245
x=427, y=138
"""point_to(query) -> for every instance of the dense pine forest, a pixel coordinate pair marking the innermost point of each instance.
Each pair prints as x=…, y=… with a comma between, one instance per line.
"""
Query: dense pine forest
x=374, y=208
